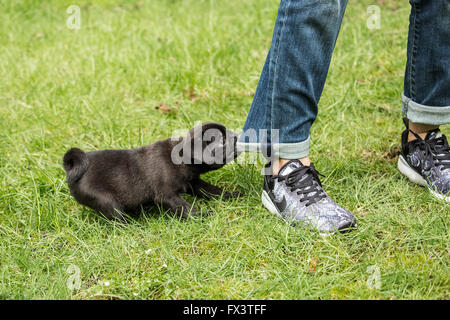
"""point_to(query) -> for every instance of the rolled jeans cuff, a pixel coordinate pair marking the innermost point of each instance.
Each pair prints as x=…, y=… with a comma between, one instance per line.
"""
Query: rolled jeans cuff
x=295, y=150
x=420, y=113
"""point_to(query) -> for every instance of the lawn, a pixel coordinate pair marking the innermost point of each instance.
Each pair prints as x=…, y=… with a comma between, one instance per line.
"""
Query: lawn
x=137, y=71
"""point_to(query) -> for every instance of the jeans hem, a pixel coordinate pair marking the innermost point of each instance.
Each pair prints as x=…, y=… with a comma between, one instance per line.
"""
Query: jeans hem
x=292, y=150
x=420, y=113
x=289, y=151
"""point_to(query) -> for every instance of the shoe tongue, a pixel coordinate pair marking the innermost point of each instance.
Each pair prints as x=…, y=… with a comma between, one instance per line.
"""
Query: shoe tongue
x=289, y=167
x=433, y=134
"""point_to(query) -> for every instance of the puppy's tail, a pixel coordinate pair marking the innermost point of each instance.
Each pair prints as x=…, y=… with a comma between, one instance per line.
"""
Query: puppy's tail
x=75, y=163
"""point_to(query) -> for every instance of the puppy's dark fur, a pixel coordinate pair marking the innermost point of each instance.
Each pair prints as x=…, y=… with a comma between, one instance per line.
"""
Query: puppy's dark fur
x=114, y=182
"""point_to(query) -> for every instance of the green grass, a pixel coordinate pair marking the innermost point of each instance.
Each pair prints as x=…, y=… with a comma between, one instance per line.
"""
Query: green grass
x=98, y=87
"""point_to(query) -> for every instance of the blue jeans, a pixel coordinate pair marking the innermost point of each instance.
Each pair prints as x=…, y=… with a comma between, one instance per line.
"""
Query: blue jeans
x=294, y=74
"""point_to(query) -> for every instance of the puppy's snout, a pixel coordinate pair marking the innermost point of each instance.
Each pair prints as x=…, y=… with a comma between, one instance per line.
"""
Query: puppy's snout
x=232, y=152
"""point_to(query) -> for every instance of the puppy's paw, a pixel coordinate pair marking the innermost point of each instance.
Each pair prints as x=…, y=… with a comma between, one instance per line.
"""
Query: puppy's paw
x=202, y=214
x=232, y=195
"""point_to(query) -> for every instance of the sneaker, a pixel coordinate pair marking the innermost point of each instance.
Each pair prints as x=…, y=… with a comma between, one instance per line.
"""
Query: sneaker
x=297, y=196
x=427, y=161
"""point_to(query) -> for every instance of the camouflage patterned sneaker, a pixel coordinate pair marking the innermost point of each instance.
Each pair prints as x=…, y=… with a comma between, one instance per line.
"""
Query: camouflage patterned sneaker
x=296, y=195
x=427, y=161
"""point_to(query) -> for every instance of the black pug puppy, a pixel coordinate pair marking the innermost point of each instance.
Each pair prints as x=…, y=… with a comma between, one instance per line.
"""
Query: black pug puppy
x=114, y=182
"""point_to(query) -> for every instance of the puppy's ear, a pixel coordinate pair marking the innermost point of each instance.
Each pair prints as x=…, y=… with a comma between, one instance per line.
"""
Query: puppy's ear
x=196, y=140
